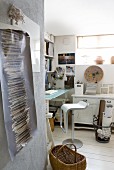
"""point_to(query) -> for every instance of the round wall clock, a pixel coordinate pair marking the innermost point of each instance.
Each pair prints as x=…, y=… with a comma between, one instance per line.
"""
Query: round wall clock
x=93, y=74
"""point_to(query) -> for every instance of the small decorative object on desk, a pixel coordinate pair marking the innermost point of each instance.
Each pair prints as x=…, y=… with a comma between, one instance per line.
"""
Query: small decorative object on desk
x=99, y=60
x=79, y=87
x=112, y=60
x=63, y=158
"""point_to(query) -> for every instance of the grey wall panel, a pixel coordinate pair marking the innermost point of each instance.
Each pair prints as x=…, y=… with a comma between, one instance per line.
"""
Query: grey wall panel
x=33, y=156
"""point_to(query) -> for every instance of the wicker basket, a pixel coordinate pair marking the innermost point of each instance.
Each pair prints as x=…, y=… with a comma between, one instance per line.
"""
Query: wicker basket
x=63, y=158
x=102, y=133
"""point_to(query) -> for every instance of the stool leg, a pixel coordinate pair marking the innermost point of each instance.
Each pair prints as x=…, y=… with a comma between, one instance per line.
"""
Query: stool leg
x=66, y=121
x=76, y=142
x=61, y=119
x=72, y=126
x=64, y=129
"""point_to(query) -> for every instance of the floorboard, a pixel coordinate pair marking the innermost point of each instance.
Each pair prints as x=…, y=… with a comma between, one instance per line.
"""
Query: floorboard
x=99, y=156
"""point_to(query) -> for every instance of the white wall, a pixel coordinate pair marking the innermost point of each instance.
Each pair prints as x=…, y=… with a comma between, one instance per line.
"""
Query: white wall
x=108, y=71
x=33, y=156
x=63, y=44
x=89, y=54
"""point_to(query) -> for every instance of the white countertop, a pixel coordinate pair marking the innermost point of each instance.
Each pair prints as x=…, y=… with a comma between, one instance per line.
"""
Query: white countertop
x=96, y=96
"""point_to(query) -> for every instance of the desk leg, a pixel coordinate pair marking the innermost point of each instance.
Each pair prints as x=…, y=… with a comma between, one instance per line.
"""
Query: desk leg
x=76, y=142
x=49, y=132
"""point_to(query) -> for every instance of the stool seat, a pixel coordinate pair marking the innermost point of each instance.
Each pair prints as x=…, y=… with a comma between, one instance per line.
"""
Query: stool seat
x=74, y=106
x=66, y=108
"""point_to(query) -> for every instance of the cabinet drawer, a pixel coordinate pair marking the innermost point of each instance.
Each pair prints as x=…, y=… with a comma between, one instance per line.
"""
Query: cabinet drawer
x=108, y=101
x=84, y=116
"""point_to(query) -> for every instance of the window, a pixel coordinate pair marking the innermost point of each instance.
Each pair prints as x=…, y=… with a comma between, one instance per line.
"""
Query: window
x=90, y=47
x=95, y=41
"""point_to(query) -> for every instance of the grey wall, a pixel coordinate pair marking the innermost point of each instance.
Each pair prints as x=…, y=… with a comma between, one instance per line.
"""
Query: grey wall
x=33, y=156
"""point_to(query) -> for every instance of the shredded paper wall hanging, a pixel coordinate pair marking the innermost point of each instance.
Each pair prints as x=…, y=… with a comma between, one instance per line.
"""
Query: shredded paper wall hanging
x=17, y=89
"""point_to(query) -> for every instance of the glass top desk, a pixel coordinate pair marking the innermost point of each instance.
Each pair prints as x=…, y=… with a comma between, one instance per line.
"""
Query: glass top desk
x=53, y=96
x=56, y=94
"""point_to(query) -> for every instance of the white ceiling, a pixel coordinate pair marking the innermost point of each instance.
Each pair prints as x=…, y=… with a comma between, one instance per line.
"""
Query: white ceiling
x=79, y=17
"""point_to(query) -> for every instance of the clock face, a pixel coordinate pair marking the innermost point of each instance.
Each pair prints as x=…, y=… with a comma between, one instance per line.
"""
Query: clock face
x=93, y=74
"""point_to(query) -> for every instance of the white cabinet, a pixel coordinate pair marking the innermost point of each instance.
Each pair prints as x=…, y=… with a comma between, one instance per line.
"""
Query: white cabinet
x=86, y=116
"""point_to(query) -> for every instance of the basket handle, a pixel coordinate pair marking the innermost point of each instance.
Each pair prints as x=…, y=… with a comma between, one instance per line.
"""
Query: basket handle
x=64, y=146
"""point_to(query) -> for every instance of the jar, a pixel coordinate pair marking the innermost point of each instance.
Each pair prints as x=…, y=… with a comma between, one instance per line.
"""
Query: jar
x=99, y=60
x=112, y=60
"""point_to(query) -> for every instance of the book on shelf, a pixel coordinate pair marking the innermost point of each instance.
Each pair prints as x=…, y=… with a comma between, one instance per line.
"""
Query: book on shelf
x=48, y=65
x=50, y=49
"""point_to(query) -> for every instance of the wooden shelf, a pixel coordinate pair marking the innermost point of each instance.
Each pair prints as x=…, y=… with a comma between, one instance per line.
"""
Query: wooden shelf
x=47, y=40
x=48, y=56
x=50, y=71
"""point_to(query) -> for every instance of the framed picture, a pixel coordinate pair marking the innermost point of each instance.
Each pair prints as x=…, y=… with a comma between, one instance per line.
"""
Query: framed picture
x=66, y=58
x=70, y=71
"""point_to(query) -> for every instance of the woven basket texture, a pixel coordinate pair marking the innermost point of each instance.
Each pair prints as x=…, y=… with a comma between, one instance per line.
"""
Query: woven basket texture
x=63, y=157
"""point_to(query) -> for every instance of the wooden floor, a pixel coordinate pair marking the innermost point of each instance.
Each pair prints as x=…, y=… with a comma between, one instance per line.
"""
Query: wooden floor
x=99, y=156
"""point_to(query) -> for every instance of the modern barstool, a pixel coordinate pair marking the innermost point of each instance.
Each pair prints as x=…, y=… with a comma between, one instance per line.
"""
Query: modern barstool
x=66, y=108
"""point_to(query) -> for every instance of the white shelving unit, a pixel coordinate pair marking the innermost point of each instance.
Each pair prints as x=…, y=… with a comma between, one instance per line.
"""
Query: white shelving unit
x=49, y=51
x=49, y=55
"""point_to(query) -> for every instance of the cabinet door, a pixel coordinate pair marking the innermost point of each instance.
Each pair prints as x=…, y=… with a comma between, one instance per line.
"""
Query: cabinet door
x=110, y=102
x=86, y=116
